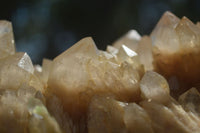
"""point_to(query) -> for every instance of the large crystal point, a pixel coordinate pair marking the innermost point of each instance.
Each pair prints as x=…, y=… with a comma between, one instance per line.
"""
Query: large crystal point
x=130, y=39
x=164, y=37
x=69, y=68
x=69, y=78
x=7, y=45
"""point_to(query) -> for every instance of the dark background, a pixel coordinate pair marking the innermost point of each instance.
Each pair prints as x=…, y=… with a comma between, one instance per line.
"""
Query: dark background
x=45, y=28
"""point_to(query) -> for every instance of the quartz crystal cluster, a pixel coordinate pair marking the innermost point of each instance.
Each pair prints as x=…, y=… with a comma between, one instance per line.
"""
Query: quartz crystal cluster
x=140, y=84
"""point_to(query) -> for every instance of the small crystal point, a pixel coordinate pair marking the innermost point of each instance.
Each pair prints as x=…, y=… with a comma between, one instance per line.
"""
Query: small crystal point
x=26, y=63
x=126, y=54
x=7, y=44
x=130, y=39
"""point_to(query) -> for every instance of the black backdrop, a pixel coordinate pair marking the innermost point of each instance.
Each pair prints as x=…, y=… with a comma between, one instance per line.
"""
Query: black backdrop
x=45, y=28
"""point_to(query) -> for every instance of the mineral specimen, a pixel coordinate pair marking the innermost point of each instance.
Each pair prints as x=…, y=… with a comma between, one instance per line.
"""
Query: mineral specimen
x=135, y=86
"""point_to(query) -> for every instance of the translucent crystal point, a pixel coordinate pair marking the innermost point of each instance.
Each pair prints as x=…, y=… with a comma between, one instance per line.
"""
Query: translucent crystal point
x=164, y=36
x=130, y=39
x=126, y=54
x=7, y=44
x=26, y=63
x=188, y=34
